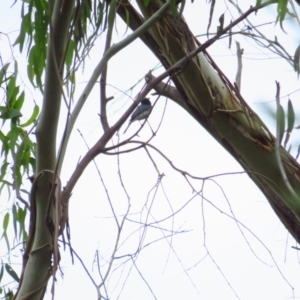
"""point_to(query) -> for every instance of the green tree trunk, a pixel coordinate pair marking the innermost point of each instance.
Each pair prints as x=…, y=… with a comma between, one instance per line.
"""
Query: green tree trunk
x=37, y=265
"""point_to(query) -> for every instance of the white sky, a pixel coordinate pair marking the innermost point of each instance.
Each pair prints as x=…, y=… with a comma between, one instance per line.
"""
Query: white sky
x=177, y=267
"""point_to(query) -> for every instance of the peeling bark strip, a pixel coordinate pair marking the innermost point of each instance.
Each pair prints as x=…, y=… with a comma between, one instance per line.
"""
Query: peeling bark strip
x=217, y=105
x=56, y=219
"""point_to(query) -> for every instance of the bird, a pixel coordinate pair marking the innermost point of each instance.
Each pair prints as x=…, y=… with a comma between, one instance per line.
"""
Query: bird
x=141, y=112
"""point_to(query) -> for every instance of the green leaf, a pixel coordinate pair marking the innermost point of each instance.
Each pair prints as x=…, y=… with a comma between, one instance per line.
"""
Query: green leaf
x=281, y=10
x=13, y=137
x=26, y=28
x=1, y=272
x=15, y=218
x=10, y=114
x=99, y=13
x=5, y=226
x=297, y=60
x=258, y=3
x=3, y=72
x=21, y=220
x=11, y=272
x=18, y=175
x=12, y=91
x=280, y=116
x=211, y=12
x=3, y=169
x=70, y=54
x=30, y=72
x=25, y=157
x=33, y=117
x=5, y=143
x=6, y=182
x=291, y=122
x=8, y=294
x=32, y=162
x=20, y=101
x=290, y=116
x=5, y=221
x=35, y=65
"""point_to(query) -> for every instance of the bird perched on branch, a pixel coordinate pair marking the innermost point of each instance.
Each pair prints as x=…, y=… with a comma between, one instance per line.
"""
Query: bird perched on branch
x=141, y=112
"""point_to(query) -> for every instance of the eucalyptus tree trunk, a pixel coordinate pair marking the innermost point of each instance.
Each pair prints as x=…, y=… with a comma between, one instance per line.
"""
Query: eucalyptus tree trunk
x=209, y=97
x=40, y=248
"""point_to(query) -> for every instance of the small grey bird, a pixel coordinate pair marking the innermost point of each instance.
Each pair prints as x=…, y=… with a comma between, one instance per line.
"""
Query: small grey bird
x=141, y=112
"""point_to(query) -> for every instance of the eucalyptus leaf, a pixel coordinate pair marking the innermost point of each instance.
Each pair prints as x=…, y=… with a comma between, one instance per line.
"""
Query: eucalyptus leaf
x=11, y=272
x=280, y=116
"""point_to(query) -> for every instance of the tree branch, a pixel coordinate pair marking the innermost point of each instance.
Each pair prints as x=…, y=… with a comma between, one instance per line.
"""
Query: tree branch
x=100, y=67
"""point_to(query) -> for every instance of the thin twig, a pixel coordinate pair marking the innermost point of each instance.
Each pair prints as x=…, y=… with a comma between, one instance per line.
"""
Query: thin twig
x=114, y=49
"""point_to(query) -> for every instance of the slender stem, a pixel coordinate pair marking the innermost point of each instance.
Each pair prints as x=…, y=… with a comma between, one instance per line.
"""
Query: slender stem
x=103, y=98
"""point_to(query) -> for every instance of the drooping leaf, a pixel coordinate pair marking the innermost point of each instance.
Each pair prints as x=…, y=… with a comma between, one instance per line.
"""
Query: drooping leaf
x=291, y=122
x=290, y=116
x=5, y=143
x=297, y=60
x=15, y=218
x=281, y=11
x=70, y=54
x=3, y=169
x=3, y=72
x=5, y=221
x=36, y=64
x=20, y=100
x=5, y=224
x=11, y=272
x=8, y=294
x=13, y=136
x=280, y=118
x=211, y=12
x=230, y=37
x=12, y=91
x=32, y=162
x=1, y=272
x=33, y=117
x=21, y=219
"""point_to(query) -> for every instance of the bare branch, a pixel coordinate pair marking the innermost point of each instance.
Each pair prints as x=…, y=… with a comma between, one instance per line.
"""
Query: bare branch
x=100, y=67
x=103, y=98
